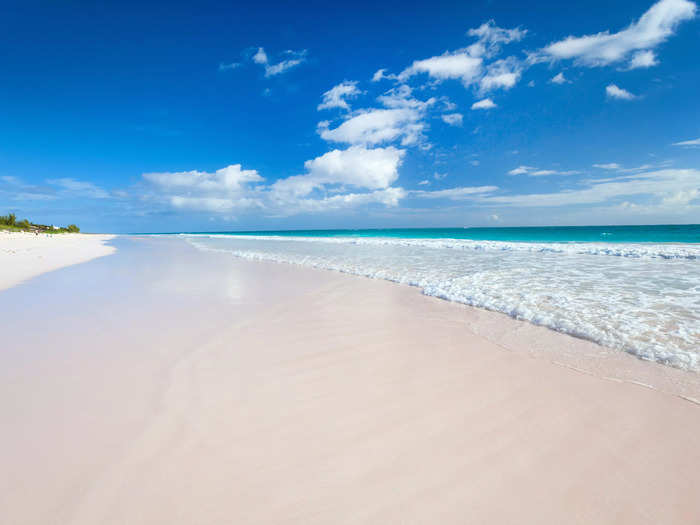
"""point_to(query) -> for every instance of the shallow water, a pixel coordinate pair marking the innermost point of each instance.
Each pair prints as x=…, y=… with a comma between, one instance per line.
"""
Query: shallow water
x=642, y=298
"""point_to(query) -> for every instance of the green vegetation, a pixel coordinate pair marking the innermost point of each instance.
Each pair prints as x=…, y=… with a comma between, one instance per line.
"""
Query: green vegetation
x=10, y=222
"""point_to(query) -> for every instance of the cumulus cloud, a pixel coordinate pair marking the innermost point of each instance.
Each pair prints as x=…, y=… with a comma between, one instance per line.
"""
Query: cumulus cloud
x=450, y=65
x=467, y=64
x=452, y=119
x=337, y=96
x=653, y=28
x=376, y=126
x=613, y=91
x=354, y=176
x=486, y=103
x=375, y=168
x=293, y=59
x=222, y=190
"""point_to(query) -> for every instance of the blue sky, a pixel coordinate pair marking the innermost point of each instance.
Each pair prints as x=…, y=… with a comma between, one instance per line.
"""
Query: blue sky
x=205, y=116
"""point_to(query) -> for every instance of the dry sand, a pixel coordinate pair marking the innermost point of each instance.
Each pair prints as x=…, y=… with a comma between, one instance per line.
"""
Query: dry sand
x=171, y=386
x=24, y=255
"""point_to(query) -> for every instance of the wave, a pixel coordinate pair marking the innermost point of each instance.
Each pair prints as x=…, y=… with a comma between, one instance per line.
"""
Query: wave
x=581, y=299
x=657, y=251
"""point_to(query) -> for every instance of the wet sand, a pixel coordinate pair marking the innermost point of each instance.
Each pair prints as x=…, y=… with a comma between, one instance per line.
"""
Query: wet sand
x=166, y=385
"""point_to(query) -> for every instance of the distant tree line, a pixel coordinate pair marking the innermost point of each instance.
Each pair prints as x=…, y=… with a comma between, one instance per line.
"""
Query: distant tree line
x=10, y=222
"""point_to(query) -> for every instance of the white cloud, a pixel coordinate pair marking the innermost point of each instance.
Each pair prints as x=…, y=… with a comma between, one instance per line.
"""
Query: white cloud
x=467, y=64
x=424, y=182
x=643, y=59
x=439, y=176
x=211, y=204
x=536, y=172
x=79, y=188
x=490, y=37
x=662, y=184
x=681, y=198
x=229, y=179
x=228, y=67
x=612, y=91
x=653, y=28
x=486, y=103
x=339, y=172
x=389, y=197
x=454, y=193
x=609, y=166
x=357, y=166
x=337, y=95
x=296, y=58
x=455, y=65
x=688, y=143
x=453, y=119
x=520, y=170
x=260, y=57
x=381, y=74
x=375, y=126
x=502, y=74
x=559, y=78
x=402, y=97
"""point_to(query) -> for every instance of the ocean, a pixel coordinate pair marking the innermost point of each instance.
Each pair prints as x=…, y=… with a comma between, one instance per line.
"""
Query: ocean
x=631, y=288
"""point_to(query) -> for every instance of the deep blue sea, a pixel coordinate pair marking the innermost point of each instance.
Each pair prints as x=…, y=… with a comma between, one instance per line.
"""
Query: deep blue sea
x=631, y=288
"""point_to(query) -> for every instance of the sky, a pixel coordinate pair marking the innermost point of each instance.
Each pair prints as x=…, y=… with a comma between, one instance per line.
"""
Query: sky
x=214, y=116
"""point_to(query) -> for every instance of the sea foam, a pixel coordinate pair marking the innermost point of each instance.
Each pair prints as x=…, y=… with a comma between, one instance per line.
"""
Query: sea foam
x=640, y=298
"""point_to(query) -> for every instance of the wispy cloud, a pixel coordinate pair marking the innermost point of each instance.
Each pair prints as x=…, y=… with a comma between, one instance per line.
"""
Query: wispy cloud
x=461, y=193
x=694, y=143
x=291, y=59
x=633, y=44
x=537, y=172
x=229, y=67
x=661, y=184
x=79, y=188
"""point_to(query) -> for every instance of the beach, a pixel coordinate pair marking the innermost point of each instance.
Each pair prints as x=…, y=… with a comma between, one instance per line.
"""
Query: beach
x=167, y=384
x=24, y=255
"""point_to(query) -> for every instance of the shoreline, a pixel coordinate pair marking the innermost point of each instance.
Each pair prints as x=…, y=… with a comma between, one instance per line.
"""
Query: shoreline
x=24, y=255
x=260, y=392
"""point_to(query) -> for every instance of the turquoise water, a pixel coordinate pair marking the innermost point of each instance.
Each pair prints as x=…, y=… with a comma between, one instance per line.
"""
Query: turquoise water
x=613, y=234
